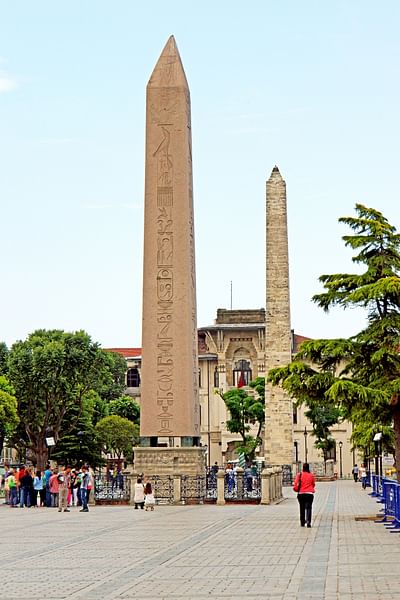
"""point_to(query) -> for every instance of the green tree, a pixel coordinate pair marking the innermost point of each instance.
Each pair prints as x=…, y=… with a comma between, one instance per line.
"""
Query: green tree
x=246, y=410
x=52, y=371
x=3, y=358
x=125, y=406
x=363, y=372
x=117, y=435
x=8, y=410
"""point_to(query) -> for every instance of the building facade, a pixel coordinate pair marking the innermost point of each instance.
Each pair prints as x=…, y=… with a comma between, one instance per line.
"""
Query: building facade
x=233, y=348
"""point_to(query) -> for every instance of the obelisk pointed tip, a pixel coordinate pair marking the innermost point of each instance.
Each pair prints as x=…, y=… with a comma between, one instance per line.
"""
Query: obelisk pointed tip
x=169, y=71
x=275, y=173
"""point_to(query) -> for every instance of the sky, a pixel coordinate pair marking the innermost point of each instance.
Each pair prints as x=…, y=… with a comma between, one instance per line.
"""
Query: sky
x=311, y=86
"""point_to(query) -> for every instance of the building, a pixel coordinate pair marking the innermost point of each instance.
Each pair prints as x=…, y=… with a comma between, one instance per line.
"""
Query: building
x=233, y=348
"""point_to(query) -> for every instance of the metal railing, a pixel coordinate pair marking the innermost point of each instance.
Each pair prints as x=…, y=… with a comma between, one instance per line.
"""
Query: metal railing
x=111, y=489
x=242, y=487
x=193, y=489
x=387, y=492
x=163, y=489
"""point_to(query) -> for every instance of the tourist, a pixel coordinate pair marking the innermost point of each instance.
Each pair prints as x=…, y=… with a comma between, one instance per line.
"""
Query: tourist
x=54, y=488
x=85, y=482
x=248, y=476
x=37, y=489
x=149, y=500
x=47, y=474
x=304, y=485
x=26, y=489
x=362, y=473
x=355, y=472
x=12, y=486
x=6, y=488
x=64, y=481
x=74, y=488
x=139, y=493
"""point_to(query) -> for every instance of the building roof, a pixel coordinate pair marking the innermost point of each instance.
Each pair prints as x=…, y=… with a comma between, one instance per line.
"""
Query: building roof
x=127, y=352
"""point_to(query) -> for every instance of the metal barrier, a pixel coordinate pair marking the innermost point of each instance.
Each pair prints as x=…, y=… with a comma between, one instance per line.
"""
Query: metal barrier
x=193, y=489
x=163, y=489
x=211, y=485
x=111, y=489
x=387, y=492
x=242, y=487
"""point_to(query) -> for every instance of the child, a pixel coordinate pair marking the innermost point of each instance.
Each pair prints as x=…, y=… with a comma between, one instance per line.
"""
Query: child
x=149, y=500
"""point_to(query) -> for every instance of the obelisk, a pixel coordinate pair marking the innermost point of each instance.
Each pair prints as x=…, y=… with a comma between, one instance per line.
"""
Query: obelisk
x=169, y=375
x=278, y=443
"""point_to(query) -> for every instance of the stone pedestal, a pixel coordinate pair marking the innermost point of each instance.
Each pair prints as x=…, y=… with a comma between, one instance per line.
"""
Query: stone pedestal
x=170, y=461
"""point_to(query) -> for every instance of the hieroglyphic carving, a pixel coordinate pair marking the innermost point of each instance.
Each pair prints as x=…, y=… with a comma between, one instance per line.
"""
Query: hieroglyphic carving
x=165, y=283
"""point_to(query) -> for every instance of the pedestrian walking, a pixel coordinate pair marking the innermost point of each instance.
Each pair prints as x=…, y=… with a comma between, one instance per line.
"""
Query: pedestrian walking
x=355, y=472
x=139, y=493
x=362, y=473
x=304, y=485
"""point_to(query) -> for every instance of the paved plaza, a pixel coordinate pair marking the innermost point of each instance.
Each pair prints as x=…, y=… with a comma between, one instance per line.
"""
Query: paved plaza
x=197, y=552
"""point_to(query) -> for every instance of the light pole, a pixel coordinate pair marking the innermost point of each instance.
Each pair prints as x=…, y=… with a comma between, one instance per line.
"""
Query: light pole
x=340, y=460
x=305, y=443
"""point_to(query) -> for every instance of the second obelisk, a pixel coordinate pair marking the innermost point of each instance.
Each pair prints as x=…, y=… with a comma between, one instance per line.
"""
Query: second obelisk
x=169, y=375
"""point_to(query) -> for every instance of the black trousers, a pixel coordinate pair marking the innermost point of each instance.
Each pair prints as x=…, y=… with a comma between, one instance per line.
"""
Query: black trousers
x=305, y=503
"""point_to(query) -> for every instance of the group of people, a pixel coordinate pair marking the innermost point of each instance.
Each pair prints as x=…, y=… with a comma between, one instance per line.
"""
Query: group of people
x=144, y=496
x=249, y=473
x=360, y=474
x=54, y=487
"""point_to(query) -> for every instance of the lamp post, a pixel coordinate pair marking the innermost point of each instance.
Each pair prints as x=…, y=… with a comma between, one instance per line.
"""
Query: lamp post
x=305, y=444
x=340, y=460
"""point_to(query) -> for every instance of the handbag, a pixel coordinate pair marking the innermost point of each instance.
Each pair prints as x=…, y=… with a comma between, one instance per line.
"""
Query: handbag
x=298, y=486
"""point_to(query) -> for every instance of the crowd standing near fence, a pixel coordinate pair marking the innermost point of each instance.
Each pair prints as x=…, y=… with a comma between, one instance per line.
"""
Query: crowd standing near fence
x=57, y=487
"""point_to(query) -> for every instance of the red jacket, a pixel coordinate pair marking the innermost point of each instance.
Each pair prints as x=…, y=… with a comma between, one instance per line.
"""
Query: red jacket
x=307, y=484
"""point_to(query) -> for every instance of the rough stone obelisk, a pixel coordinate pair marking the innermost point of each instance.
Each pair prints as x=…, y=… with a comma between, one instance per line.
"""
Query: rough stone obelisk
x=169, y=376
x=278, y=443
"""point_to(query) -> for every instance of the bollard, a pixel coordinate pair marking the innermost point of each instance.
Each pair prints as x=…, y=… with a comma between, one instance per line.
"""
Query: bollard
x=265, y=486
x=177, y=488
x=220, y=488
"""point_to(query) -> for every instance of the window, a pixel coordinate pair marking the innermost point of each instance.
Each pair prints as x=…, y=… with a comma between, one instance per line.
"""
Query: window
x=132, y=378
x=241, y=373
x=216, y=377
x=199, y=377
x=294, y=415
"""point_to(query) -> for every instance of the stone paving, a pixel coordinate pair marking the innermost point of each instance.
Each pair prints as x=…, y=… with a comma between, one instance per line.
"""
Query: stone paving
x=197, y=552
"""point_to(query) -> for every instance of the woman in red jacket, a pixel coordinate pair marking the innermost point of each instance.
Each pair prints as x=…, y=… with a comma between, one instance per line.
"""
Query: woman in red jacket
x=304, y=485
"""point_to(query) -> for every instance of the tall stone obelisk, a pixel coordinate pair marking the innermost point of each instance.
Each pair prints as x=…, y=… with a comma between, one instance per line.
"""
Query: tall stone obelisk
x=169, y=375
x=278, y=443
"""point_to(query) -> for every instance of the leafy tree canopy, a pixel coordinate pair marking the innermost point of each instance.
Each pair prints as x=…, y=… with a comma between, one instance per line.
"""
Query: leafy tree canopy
x=3, y=358
x=8, y=410
x=361, y=373
x=117, y=435
x=125, y=406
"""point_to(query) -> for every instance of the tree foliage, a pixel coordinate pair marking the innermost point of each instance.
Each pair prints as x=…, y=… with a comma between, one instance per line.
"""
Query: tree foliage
x=8, y=410
x=52, y=373
x=125, y=406
x=117, y=435
x=361, y=374
x=3, y=358
x=246, y=410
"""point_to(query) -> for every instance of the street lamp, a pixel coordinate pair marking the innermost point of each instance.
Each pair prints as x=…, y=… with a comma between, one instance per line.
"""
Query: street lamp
x=340, y=460
x=305, y=444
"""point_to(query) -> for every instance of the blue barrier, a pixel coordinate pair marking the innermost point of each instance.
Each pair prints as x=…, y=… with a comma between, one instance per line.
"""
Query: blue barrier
x=388, y=493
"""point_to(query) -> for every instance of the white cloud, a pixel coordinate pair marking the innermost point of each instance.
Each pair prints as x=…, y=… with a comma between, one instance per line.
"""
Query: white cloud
x=7, y=83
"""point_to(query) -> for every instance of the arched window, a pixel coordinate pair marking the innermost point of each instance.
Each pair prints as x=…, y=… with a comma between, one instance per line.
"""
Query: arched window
x=216, y=377
x=242, y=373
x=132, y=378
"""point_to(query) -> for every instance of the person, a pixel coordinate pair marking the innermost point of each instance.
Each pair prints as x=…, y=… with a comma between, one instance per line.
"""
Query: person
x=304, y=485
x=248, y=476
x=64, y=481
x=230, y=478
x=12, y=486
x=54, y=487
x=355, y=472
x=149, y=500
x=37, y=488
x=47, y=474
x=139, y=493
x=363, y=476
x=26, y=489
x=85, y=483
x=6, y=488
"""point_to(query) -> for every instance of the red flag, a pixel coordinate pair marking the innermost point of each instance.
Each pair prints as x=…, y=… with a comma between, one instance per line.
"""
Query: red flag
x=241, y=381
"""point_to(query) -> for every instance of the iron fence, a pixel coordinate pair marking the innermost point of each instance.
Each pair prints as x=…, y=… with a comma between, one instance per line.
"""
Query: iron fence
x=211, y=485
x=242, y=487
x=163, y=489
x=193, y=489
x=111, y=489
